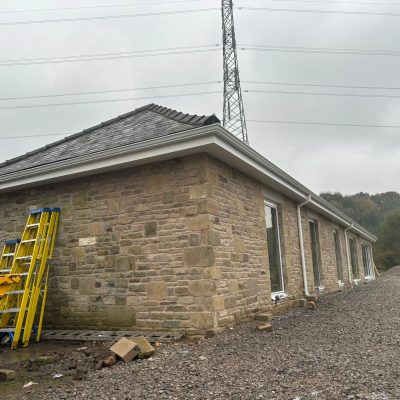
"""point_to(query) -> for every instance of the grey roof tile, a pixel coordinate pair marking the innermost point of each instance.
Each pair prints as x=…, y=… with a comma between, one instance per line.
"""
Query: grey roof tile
x=144, y=123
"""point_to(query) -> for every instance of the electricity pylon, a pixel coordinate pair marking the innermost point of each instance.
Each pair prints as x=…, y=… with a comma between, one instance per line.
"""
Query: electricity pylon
x=234, y=119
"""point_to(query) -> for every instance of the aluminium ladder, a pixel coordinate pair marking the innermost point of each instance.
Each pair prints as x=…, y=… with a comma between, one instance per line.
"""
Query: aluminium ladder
x=30, y=267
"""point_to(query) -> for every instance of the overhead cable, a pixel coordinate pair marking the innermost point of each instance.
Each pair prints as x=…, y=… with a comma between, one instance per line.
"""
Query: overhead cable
x=99, y=6
x=115, y=55
x=305, y=11
x=323, y=50
x=322, y=123
x=109, y=91
x=72, y=103
x=322, y=85
x=324, y=94
x=106, y=17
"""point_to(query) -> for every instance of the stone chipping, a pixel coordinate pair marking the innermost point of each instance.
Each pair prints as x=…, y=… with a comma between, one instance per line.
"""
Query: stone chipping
x=347, y=348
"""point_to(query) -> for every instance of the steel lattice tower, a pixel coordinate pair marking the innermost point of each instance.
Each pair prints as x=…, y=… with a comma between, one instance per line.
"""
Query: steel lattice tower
x=234, y=119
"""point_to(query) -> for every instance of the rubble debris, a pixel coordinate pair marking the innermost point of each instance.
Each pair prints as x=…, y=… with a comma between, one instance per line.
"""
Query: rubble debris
x=265, y=327
x=30, y=384
x=265, y=317
x=146, y=349
x=80, y=373
x=126, y=349
x=311, y=305
x=7, y=375
x=107, y=362
x=56, y=376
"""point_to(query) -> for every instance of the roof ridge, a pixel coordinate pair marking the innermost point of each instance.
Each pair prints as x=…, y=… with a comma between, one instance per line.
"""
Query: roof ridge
x=184, y=118
x=75, y=135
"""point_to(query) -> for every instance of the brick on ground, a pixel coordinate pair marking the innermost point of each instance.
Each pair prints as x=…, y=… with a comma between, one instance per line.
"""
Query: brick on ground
x=265, y=327
x=7, y=375
x=146, y=349
x=126, y=349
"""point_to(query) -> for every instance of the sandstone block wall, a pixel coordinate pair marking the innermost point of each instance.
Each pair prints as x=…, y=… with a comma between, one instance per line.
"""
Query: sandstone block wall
x=176, y=245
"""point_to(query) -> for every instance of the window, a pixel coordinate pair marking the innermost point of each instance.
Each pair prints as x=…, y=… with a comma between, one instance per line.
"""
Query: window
x=316, y=257
x=367, y=260
x=274, y=248
x=353, y=259
x=339, y=269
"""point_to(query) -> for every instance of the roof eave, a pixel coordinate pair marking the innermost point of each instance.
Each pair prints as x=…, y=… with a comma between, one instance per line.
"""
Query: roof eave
x=212, y=139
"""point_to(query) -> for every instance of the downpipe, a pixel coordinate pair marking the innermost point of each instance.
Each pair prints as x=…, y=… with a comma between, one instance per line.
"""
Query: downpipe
x=348, y=252
x=303, y=258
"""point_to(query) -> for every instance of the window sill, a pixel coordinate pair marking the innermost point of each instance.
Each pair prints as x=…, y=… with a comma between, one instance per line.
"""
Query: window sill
x=279, y=296
x=320, y=289
x=341, y=284
x=369, y=278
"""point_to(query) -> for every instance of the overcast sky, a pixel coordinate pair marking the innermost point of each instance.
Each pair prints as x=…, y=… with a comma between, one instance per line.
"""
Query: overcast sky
x=324, y=158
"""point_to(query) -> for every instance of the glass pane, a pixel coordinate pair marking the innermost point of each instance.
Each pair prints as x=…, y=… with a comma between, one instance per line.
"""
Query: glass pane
x=338, y=257
x=275, y=265
x=315, y=253
x=366, y=252
x=353, y=255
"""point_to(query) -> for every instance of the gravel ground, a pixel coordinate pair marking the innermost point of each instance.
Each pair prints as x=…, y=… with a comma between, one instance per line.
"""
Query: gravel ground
x=347, y=348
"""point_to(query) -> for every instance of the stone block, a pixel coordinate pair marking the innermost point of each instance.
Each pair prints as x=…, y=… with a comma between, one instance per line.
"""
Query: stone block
x=75, y=283
x=97, y=228
x=265, y=327
x=154, y=183
x=202, y=287
x=124, y=263
x=265, y=317
x=208, y=206
x=79, y=198
x=218, y=303
x=215, y=273
x=168, y=197
x=78, y=253
x=202, y=320
x=252, y=287
x=202, y=256
x=194, y=239
x=119, y=317
x=156, y=291
x=198, y=223
x=126, y=349
x=150, y=228
x=146, y=349
x=233, y=286
x=198, y=191
x=214, y=238
x=7, y=375
x=238, y=246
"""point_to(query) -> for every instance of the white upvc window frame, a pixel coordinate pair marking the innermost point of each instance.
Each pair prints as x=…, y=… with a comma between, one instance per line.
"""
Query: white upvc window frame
x=319, y=288
x=371, y=260
x=340, y=261
x=282, y=293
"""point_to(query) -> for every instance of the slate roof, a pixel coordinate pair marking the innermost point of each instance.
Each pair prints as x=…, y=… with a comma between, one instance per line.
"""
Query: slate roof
x=144, y=123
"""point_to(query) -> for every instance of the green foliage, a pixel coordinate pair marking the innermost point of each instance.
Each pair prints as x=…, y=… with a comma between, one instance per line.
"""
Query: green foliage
x=380, y=214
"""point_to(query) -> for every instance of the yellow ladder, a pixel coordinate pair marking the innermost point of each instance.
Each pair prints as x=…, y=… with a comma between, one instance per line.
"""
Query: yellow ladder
x=30, y=268
x=6, y=260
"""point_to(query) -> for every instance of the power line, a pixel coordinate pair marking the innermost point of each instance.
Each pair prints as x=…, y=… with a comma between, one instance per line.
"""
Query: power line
x=322, y=50
x=324, y=94
x=34, y=136
x=112, y=56
x=323, y=85
x=339, y=2
x=105, y=17
x=109, y=91
x=99, y=6
x=341, y=12
x=322, y=123
x=196, y=84
x=72, y=103
x=248, y=120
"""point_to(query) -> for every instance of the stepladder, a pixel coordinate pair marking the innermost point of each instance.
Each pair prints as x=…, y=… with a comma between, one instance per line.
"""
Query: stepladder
x=23, y=298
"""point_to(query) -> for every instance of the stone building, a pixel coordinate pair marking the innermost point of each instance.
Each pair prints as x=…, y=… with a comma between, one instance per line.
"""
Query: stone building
x=170, y=223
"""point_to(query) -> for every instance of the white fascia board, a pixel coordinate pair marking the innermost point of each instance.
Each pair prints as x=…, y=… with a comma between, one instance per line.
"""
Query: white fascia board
x=186, y=143
x=212, y=139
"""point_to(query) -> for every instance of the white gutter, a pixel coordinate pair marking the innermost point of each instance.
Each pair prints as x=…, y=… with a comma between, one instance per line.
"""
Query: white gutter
x=211, y=139
x=348, y=252
x=303, y=258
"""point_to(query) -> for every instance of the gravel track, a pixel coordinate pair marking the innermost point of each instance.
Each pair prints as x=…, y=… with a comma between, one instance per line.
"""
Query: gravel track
x=347, y=348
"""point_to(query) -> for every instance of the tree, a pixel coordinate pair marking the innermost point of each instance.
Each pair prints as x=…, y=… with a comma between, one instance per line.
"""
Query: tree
x=387, y=249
